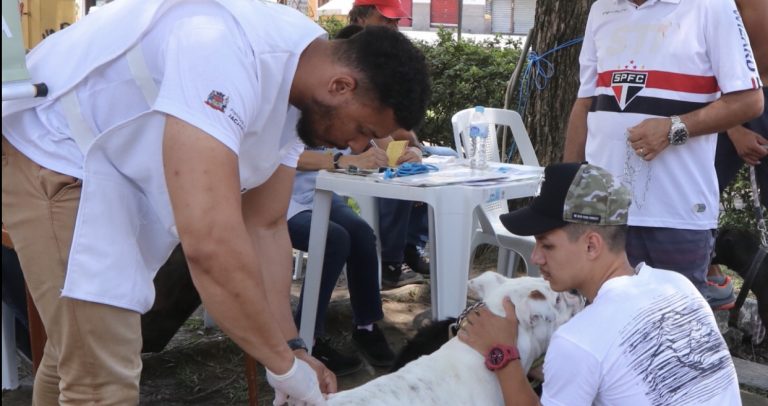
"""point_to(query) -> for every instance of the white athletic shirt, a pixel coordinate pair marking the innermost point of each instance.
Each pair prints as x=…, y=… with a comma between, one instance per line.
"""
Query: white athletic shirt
x=647, y=339
x=664, y=58
x=225, y=66
x=109, y=96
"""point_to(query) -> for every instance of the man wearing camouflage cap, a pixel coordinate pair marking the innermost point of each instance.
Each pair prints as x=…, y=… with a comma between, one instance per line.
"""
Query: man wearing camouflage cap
x=647, y=337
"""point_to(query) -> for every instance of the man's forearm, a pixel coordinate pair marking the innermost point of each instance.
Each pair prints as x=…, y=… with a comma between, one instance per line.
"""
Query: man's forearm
x=576, y=132
x=277, y=277
x=314, y=161
x=228, y=274
x=204, y=189
x=515, y=387
x=728, y=111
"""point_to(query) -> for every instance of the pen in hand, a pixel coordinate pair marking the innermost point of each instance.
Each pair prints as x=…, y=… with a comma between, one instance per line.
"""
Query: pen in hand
x=376, y=146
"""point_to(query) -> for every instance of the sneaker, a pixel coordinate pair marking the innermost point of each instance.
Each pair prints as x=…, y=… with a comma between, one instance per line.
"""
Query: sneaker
x=415, y=258
x=374, y=346
x=395, y=275
x=337, y=362
x=719, y=292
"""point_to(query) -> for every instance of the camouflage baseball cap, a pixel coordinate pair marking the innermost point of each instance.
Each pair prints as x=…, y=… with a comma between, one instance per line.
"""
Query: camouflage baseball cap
x=575, y=193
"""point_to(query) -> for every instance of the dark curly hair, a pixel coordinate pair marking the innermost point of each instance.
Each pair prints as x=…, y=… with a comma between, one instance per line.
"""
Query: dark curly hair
x=357, y=14
x=392, y=68
x=348, y=31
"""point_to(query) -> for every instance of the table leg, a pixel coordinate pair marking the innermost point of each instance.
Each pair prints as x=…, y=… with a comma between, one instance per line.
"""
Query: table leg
x=369, y=211
x=318, y=235
x=432, y=245
x=452, y=234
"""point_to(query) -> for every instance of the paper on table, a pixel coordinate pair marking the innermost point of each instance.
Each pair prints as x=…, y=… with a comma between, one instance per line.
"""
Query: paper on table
x=394, y=150
x=456, y=173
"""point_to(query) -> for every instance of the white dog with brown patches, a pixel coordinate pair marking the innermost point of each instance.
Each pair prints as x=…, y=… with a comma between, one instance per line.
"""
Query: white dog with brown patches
x=455, y=374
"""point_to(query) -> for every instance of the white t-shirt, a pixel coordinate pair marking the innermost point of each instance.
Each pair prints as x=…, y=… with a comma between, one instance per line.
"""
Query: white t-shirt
x=647, y=339
x=664, y=58
x=224, y=66
x=217, y=94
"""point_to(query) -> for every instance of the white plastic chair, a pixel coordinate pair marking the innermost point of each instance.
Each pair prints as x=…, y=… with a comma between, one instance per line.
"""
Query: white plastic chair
x=489, y=229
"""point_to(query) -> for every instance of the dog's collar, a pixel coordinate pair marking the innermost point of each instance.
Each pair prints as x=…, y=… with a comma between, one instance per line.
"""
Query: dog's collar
x=454, y=328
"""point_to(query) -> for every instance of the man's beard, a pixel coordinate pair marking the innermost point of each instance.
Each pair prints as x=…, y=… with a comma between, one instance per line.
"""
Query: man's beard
x=314, y=123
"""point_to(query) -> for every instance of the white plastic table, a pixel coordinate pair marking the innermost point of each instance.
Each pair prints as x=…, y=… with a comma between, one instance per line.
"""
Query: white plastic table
x=451, y=224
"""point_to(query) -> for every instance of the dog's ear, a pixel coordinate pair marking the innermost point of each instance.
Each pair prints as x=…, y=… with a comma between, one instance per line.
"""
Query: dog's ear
x=534, y=310
x=567, y=304
x=485, y=282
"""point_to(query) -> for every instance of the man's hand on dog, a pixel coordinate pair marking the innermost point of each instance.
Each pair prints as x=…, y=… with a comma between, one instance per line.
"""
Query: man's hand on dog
x=483, y=329
x=325, y=377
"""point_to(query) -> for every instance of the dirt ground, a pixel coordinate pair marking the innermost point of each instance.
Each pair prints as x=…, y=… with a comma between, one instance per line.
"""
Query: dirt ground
x=203, y=367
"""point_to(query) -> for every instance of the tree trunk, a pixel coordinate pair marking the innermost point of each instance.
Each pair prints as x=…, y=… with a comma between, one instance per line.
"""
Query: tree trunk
x=546, y=115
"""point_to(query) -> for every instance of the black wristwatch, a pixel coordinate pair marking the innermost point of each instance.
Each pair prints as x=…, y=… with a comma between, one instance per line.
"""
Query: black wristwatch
x=297, y=344
x=678, y=132
x=336, y=158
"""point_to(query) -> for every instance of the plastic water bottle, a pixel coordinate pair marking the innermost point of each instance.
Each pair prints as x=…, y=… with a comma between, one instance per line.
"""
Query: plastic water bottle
x=478, y=135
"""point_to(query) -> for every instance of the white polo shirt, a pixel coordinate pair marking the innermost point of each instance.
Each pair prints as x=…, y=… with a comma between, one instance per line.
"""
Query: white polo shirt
x=663, y=58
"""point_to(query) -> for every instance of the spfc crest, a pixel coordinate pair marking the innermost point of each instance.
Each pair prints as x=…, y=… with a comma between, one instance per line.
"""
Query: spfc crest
x=217, y=100
x=626, y=85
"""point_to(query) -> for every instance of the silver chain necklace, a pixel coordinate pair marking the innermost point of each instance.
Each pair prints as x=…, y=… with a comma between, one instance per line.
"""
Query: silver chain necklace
x=633, y=166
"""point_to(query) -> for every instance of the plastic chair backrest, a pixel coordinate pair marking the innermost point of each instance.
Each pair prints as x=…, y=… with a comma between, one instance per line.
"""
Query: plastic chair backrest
x=497, y=118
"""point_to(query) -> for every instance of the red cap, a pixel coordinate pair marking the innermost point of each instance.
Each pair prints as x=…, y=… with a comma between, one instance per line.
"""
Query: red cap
x=387, y=8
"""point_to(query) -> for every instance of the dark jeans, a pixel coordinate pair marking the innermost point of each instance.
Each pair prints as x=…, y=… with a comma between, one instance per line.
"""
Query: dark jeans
x=350, y=241
x=418, y=227
x=394, y=220
x=404, y=222
x=727, y=160
x=684, y=251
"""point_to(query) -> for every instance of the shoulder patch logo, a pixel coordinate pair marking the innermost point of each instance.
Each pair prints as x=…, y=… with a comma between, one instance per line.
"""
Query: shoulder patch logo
x=626, y=85
x=217, y=100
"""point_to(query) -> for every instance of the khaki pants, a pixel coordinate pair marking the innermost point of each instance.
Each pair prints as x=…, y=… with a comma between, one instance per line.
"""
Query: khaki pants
x=92, y=355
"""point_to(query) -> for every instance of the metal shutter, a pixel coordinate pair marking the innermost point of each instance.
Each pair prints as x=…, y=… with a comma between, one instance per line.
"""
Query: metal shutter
x=407, y=5
x=501, y=16
x=444, y=12
x=524, y=11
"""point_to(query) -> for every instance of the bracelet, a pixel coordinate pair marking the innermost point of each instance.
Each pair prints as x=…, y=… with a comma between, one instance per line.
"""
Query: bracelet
x=297, y=343
x=336, y=158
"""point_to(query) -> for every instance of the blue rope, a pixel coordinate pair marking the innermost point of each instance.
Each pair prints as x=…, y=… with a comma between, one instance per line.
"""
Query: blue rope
x=537, y=72
x=408, y=169
x=511, y=150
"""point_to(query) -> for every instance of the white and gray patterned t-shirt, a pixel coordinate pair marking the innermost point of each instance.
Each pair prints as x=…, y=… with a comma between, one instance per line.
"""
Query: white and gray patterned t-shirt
x=647, y=339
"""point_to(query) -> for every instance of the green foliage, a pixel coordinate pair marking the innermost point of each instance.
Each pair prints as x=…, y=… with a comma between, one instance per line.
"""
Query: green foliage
x=736, y=201
x=332, y=24
x=464, y=74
